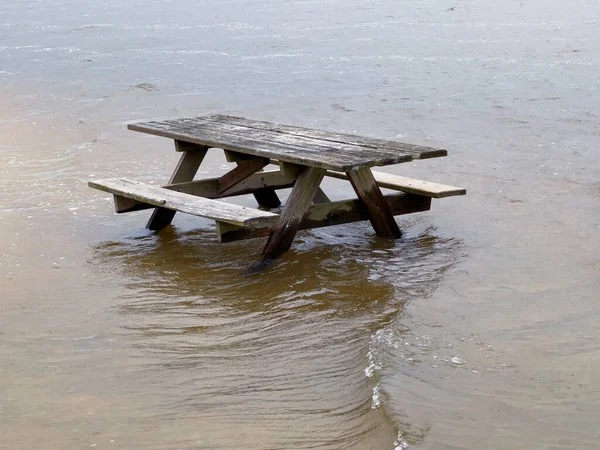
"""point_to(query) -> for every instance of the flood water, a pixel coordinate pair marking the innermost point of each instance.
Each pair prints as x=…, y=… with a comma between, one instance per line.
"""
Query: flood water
x=477, y=330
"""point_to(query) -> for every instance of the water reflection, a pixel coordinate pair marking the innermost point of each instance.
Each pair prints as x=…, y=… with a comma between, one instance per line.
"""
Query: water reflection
x=287, y=350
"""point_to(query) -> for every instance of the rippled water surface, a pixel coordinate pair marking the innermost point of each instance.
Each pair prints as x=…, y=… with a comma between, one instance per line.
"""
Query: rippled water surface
x=478, y=329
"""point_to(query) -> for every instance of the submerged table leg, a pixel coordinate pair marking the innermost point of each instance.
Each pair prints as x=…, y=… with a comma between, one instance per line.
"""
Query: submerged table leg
x=185, y=171
x=300, y=199
x=367, y=190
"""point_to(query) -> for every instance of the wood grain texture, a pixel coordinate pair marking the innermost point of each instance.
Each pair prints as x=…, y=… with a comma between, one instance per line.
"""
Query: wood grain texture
x=177, y=201
x=209, y=188
x=334, y=213
x=380, y=215
x=293, y=148
x=306, y=143
x=410, y=185
x=417, y=151
x=297, y=204
x=186, y=169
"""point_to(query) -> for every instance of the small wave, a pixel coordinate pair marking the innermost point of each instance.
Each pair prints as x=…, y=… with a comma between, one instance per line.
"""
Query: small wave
x=94, y=26
x=81, y=338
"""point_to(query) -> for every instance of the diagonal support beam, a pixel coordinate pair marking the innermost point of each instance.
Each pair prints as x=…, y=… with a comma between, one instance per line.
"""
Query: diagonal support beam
x=241, y=172
x=380, y=215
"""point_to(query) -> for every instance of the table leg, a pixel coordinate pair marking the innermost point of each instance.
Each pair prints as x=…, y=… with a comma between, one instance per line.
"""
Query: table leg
x=321, y=197
x=267, y=199
x=185, y=171
x=300, y=199
x=367, y=190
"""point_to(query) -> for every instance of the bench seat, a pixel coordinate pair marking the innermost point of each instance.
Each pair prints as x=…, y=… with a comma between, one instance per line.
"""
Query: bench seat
x=212, y=209
x=408, y=185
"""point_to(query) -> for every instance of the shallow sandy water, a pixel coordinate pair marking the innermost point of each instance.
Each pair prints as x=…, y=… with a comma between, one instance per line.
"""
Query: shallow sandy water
x=115, y=337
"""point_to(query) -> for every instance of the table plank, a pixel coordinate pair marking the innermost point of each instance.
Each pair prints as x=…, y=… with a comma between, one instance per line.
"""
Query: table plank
x=203, y=124
x=417, y=151
x=304, y=150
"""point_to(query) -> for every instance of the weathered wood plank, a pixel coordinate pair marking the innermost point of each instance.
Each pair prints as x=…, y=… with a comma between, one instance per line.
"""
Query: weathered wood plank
x=241, y=172
x=186, y=169
x=208, y=188
x=367, y=190
x=334, y=213
x=297, y=204
x=417, y=151
x=306, y=144
x=286, y=147
x=406, y=184
x=177, y=201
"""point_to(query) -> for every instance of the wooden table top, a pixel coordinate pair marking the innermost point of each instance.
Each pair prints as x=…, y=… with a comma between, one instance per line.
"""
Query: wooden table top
x=323, y=149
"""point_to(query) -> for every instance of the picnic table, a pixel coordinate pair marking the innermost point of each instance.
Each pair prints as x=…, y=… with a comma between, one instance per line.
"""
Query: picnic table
x=304, y=157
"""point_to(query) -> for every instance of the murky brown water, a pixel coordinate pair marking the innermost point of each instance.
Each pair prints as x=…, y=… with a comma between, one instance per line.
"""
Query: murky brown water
x=115, y=337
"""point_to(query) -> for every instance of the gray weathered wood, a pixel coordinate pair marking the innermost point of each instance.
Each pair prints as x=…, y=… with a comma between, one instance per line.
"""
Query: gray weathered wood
x=306, y=144
x=334, y=213
x=304, y=150
x=209, y=188
x=297, y=204
x=398, y=183
x=367, y=190
x=186, y=169
x=410, y=185
x=241, y=172
x=177, y=201
x=417, y=151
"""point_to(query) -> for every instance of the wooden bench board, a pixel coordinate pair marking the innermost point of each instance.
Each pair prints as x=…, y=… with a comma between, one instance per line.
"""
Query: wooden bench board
x=409, y=185
x=190, y=204
x=209, y=188
x=321, y=149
